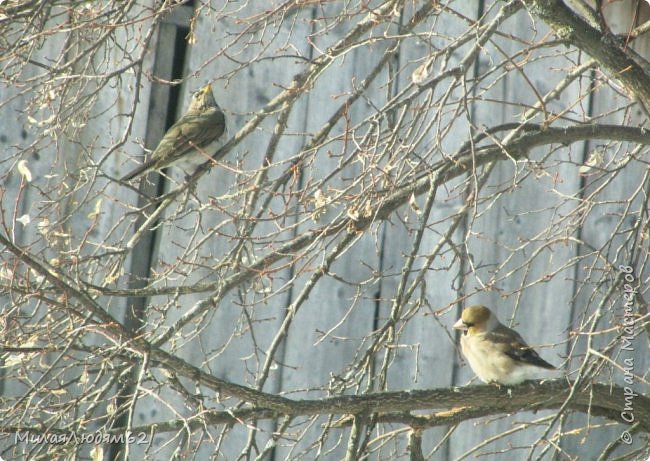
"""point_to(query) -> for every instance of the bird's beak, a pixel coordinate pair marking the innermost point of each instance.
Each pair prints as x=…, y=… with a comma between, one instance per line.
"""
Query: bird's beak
x=207, y=88
x=459, y=325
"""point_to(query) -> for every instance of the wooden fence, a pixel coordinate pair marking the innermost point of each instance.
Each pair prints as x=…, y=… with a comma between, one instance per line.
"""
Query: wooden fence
x=287, y=269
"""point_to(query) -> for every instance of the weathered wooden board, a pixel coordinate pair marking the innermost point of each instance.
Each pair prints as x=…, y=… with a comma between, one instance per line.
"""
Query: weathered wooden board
x=610, y=240
x=424, y=353
x=230, y=340
x=513, y=270
x=329, y=328
x=75, y=212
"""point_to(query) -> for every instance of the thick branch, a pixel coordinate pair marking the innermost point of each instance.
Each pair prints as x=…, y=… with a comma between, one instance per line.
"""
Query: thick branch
x=453, y=405
x=606, y=49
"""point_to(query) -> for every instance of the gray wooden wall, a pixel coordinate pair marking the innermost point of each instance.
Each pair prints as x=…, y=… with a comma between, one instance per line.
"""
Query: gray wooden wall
x=535, y=244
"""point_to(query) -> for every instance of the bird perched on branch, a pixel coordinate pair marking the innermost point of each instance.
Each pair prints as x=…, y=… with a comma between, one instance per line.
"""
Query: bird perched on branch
x=496, y=353
x=192, y=140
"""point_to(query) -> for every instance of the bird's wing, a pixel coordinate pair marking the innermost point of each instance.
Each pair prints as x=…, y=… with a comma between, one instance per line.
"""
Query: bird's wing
x=188, y=128
x=176, y=141
x=509, y=342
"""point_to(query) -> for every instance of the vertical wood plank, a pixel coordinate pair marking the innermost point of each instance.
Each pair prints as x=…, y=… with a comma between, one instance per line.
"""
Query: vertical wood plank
x=511, y=268
x=199, y=234
x=609, y=240
x=424, y=354
x=74, y=134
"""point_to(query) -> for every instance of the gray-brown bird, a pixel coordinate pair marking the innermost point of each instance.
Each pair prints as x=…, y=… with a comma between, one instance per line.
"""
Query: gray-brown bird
x=192, y=140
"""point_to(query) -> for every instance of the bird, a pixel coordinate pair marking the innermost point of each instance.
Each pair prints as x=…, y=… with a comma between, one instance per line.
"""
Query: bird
x=192, y=140
x=496, y=353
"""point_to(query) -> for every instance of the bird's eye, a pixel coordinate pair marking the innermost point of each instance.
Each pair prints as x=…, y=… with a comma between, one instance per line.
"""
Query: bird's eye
x=468, y=324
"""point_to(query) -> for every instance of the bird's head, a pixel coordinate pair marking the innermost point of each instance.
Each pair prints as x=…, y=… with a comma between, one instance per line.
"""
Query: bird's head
x=202, y=99
x=476, y=319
